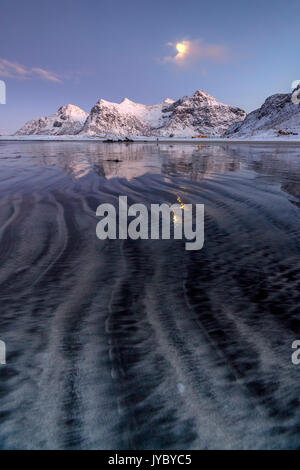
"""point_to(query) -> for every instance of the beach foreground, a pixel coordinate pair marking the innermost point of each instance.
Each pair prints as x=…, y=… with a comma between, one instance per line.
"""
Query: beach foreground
x=123, y=344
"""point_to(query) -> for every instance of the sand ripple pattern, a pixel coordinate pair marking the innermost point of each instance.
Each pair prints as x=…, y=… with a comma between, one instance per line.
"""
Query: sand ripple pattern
x=141, y=344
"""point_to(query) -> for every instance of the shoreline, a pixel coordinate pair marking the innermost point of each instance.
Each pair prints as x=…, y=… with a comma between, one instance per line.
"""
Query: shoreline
x=151, y=140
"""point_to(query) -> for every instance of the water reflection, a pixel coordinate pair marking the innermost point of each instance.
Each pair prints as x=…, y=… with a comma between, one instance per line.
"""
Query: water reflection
x=133, y=160
x=142, y=344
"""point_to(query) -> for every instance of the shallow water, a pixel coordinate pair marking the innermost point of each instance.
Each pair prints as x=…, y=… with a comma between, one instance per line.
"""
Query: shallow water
x=142, y=344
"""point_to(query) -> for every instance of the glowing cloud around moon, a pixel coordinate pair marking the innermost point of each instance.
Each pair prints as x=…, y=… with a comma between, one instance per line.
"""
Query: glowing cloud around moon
x=188, y=51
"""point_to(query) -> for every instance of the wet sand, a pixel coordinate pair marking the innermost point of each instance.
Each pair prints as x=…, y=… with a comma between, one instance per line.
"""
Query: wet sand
x=123, y=344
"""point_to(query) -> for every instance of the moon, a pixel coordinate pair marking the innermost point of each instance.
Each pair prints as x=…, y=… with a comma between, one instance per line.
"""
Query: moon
x=181, y=48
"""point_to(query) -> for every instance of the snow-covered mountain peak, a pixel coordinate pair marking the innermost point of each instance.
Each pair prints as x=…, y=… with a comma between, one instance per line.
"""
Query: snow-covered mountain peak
x=128, y=101
x=72, y=111
x=102, y=102
x=202, y=99
x=200, y=113
x=68, y=120
x=278, y=112
x=202, y=93
x=168, y=101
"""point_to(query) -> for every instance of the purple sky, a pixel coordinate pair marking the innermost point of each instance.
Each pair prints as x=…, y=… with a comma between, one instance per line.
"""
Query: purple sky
x=70, y=51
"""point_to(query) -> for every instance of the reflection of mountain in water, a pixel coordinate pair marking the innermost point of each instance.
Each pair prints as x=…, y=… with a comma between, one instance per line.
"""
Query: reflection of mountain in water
x=280, y=162
x=194, y=162
x=132, y=161
x=202, y=162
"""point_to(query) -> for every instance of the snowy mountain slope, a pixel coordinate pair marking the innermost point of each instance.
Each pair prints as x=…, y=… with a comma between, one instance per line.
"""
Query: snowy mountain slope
x=202, y=114
x=68, y=120
x=277, y=112
x=186, y=117
x=126, y=118
x=189, y=116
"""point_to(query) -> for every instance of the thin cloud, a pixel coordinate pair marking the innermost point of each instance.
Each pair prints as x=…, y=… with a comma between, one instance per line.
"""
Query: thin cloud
x=196, y=50
x=14, y=70
x=45, y=75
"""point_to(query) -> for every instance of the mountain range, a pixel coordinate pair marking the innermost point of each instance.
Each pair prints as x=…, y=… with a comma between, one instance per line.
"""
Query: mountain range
x=187, y=117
